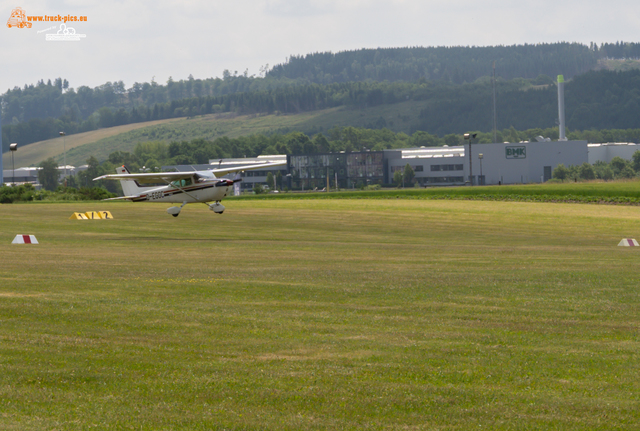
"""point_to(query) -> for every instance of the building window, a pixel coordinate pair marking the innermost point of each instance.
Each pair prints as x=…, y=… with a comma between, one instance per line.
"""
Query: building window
x=436, y=168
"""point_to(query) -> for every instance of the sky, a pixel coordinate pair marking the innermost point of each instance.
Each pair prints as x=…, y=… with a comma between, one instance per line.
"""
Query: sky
x=137, y=41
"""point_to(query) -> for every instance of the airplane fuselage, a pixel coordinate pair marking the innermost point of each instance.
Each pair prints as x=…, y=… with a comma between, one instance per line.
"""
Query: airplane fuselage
x=206, y=191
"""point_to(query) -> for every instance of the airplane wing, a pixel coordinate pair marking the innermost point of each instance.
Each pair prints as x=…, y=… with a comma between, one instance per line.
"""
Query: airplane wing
x=167, y=177
x=225, y=171
x=150, y=178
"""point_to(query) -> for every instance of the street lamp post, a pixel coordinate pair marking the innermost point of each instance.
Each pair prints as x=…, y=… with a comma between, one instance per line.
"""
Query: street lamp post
x=64, y=152
x=480, y=155
x=300, y=175
x=468, y=137
x=13, y=148
x=288, y=176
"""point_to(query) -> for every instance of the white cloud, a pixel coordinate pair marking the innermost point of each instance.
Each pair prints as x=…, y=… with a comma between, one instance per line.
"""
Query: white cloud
x=134, y=41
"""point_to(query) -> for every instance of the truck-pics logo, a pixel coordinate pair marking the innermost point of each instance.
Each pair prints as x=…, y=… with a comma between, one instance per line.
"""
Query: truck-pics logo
x=18, y=19
x=516, y=152
x=65, y=34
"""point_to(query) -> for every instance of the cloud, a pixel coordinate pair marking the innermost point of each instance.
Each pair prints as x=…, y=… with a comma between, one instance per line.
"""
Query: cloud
x=134, y=41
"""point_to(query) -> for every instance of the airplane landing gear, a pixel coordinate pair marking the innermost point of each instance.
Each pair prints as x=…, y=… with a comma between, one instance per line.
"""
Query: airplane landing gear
x=217, y=208
x=175, y=211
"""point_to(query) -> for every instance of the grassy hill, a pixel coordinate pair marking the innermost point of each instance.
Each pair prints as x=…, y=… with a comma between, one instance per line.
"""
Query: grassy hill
x=100, y=143
x=33, y=154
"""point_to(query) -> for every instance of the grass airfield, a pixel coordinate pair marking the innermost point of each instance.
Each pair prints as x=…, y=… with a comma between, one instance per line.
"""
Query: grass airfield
x=320, y=314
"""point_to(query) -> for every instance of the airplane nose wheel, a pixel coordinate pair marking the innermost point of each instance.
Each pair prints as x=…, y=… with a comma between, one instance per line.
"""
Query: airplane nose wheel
x=217, y=208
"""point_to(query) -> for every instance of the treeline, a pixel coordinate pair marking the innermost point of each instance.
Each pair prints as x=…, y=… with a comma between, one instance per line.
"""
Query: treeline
x=28, y=193
x=155, y=154
x=56, y=99
x=617, y=169
x=594, y=101
x=456, y=64
x=450, y=64
x=618, y=50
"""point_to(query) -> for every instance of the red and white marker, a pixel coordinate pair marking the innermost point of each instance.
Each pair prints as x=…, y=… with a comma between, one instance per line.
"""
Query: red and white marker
x=628, y=242
x=25, y=239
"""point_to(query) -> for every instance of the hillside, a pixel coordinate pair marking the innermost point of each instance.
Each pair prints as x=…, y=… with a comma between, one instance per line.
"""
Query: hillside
x=398, y=117
x=303, y=83
x=33, y=154
x=457, y=64
x=595, y=100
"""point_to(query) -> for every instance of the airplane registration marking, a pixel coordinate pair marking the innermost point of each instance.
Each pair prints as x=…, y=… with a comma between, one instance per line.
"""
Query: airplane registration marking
x=155, y=195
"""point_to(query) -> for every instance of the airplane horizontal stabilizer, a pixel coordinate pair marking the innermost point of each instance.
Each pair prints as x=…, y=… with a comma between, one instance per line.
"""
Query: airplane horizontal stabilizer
x=121, y=198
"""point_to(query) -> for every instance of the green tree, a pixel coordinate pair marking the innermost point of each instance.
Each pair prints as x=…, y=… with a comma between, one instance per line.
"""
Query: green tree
x=574, y=172
x=93, y=168
x=627, y=172
x=48, y=175
x=152, y=165
x=408, y=174
x=270, y=181
x=607, y=173
x=397, y=178
x=424, y=139
x=636, y=161
x=452, y=139
x=618, y=164
x=279, y=180
x=587, y=172
x=258, y=189
x=561, y=172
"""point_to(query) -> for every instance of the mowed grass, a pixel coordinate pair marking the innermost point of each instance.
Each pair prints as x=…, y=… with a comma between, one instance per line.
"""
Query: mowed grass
x=621, y=192
x=320, y=314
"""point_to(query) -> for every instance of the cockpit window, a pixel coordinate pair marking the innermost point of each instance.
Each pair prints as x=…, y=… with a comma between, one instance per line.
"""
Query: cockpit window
x=182, y=183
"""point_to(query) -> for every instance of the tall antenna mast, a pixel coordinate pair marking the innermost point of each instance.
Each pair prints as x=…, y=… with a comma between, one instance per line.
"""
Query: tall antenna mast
x=493, y=82
x=561, y=124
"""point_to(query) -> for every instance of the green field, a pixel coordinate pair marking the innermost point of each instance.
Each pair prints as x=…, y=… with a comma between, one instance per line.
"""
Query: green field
x=613, y=192
x=321, y=314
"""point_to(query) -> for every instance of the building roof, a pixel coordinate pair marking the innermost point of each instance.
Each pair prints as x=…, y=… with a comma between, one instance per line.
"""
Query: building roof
x=432, y=152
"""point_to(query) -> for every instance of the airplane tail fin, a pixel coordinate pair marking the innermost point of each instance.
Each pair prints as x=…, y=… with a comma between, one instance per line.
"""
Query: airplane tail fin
x=129, y=187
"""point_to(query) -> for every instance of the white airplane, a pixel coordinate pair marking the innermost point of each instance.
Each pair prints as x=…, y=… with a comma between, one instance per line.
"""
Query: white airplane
x=180, y=187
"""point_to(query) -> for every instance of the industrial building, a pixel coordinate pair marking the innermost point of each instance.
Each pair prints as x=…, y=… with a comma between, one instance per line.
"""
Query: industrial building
x=606, y=152
x=347, y=170
x=30, y=174
x=487, y=164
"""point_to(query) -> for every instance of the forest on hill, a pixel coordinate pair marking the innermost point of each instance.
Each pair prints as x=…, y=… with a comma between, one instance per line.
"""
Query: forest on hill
x=455, y=64
x=595, y=100
x=447, y=64
x=452, y=82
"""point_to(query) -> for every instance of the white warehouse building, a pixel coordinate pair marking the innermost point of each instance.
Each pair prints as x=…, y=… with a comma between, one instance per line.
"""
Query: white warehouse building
x=508, y=163
x=517, y=163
